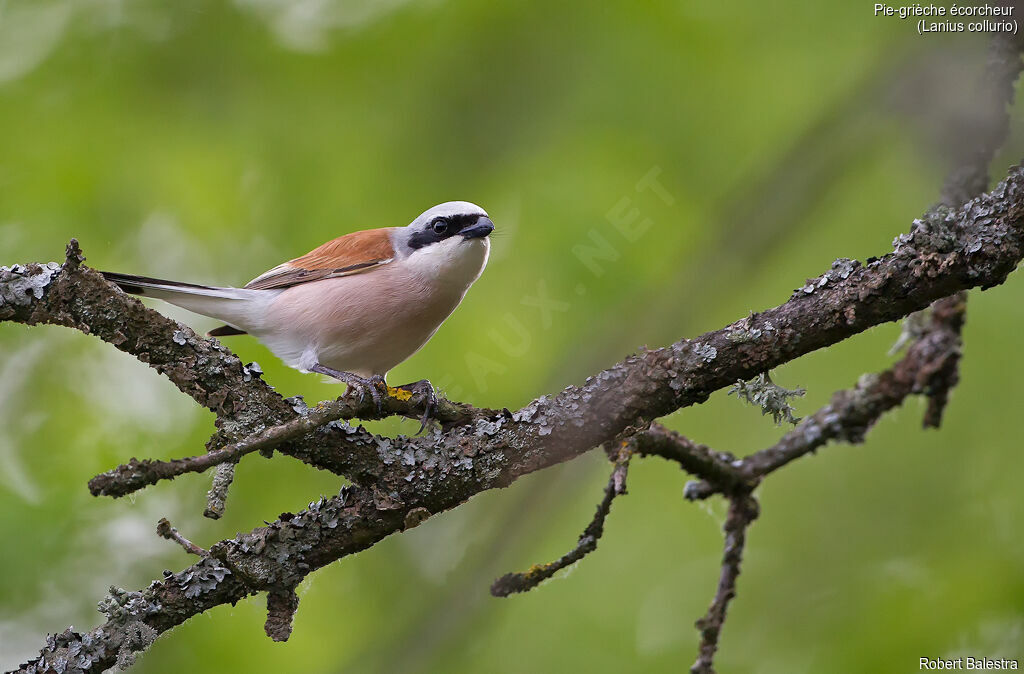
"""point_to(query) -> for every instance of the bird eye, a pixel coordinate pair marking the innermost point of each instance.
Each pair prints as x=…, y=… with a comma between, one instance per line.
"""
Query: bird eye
x=440, y=226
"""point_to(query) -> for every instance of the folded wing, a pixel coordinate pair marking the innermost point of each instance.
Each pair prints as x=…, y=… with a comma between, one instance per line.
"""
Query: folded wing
x=350, y=254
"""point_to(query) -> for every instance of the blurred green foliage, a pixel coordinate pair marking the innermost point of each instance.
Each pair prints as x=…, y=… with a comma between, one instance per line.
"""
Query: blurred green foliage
x=209, y=140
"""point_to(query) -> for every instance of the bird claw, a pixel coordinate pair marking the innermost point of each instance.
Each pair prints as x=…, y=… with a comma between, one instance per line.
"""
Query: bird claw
x=376, y=384
x=424, y=387
x=356, y=383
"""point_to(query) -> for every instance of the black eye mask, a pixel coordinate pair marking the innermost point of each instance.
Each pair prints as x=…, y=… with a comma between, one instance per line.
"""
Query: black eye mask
x=449, y=226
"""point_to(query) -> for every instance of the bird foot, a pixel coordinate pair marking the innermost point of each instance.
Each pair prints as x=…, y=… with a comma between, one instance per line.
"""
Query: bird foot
x=424, y=387
x=375, y=384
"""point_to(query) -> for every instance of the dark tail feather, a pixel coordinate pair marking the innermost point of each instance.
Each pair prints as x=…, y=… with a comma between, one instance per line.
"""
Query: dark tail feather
x=225, y=331
x=136, y=285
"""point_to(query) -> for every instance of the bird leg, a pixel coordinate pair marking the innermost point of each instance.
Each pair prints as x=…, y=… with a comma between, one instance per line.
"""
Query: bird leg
x=374, y=384
x=424, y=387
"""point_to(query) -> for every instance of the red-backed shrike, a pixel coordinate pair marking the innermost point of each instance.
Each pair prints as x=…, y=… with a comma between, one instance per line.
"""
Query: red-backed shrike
x=356, y=306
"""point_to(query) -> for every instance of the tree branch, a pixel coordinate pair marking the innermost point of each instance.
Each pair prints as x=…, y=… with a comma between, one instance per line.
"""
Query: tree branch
x=976, y=246
x=852, y=412
x=135, y=475
x=974, y=149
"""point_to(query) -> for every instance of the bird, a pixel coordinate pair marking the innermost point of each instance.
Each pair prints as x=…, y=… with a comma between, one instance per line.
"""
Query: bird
x=354, y=307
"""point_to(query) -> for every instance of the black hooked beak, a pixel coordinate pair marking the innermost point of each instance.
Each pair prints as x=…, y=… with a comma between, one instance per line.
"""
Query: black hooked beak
x=479, y=229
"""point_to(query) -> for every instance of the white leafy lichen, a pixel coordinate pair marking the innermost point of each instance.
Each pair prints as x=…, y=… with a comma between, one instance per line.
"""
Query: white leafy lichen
x=21, y=284
x=770, y=397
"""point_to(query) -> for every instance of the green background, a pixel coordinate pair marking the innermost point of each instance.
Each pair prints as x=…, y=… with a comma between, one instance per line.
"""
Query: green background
x=208, y=141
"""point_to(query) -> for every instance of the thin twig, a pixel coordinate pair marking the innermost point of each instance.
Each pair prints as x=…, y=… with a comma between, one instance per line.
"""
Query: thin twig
x=743, y=510
x=135, y=474
x=948, y=314
x=512, y=583
x=165, y=530
x=714, y=467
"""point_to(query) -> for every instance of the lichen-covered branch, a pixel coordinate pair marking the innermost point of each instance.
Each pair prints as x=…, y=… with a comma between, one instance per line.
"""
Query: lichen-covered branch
x=926, y=367
x=852, y=412
x=973, y=151
x=930, y=367
x=975, y=246
x=136, y=474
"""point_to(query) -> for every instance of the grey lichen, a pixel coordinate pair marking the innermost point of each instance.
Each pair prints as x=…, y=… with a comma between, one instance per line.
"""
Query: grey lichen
x=125, y=632
x=770, y=397
x=935, y=232
x=201, y=577
x=705, y=352
x=741, y=335
x=747, y=330
x=841, y=270
x=323, y=512
x=694, y=490
x=488, y=427
x=807, y=288
x=126, y=612
x=68, y=652
x=138, y=636
x=538, y=413
x=387, y=451
x=216, y=498
x=298, y=403
x=21, y=284
x=531, y=411
x=343, y=426
x=251, y=370
x=121, y=606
